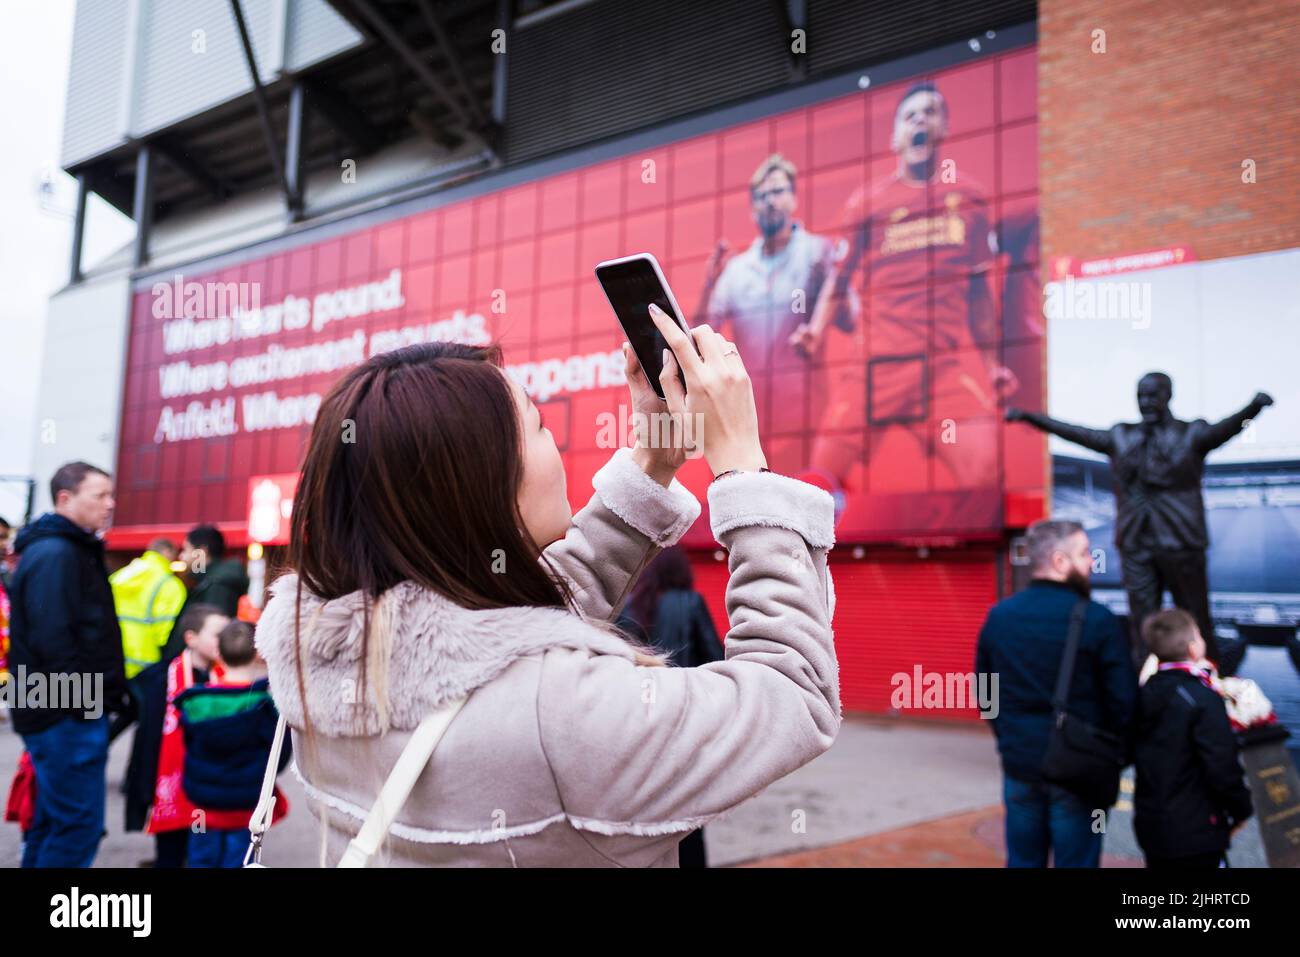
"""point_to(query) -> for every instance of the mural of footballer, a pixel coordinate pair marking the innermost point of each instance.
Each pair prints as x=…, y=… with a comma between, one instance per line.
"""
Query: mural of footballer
x=928, y=349
x=763, y=294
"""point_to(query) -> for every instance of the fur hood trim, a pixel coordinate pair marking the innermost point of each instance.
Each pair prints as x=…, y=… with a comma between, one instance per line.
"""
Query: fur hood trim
x=446, y=651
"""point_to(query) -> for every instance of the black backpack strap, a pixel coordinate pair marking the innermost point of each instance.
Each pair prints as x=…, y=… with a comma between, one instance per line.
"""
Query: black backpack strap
x=1066, y=672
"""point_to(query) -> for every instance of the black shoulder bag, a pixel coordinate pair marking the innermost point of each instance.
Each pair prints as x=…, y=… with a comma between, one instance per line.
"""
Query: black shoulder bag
x=1083, y=759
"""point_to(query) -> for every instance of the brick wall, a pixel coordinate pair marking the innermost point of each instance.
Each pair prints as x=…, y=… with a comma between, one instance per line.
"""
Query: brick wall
x=1142, y=145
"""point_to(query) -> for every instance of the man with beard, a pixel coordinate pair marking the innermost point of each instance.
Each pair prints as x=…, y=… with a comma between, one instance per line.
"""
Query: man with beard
x=923, y=237
x=1022, y=642
x=1159, y=511
x=762, y=295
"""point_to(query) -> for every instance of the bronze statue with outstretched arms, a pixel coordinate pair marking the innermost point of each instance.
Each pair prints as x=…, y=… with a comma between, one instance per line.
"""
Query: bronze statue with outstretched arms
x=1160, y=526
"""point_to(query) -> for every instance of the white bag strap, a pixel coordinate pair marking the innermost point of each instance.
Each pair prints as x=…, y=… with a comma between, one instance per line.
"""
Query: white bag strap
x=261, y=819
x=410, y=765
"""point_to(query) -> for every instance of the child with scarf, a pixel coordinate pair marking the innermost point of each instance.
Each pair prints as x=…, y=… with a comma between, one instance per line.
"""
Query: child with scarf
x=228, y=726
x=1191, y=792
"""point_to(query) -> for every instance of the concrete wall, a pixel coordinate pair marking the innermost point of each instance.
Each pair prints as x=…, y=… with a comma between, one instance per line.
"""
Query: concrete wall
x=78, y=401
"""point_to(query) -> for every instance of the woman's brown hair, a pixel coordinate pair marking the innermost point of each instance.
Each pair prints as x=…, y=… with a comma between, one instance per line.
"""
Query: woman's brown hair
x=411, y=473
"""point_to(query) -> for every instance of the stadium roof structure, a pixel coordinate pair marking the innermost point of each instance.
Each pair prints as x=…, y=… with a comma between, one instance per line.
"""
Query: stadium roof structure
x=411, y=69
x=286, y=91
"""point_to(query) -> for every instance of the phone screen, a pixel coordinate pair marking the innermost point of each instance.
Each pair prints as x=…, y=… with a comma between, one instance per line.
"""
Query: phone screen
x=631, y=287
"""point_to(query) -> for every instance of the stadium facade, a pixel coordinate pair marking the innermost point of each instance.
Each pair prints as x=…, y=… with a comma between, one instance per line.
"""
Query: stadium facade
x=315, y=182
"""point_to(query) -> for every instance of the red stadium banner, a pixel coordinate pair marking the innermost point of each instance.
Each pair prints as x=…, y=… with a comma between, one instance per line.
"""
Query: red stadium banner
x=907, y=212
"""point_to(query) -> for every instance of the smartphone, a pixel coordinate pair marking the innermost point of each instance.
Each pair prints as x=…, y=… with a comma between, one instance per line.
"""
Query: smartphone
x=631, y=284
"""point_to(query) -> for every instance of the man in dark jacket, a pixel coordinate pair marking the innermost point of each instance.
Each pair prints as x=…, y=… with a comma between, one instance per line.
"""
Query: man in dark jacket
x=63, y=625
x=1022, y=642
x=1191, y=789
x=215, y=579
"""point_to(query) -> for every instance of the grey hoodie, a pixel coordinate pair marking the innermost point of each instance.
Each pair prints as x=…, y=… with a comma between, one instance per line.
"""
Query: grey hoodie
x=569, y=752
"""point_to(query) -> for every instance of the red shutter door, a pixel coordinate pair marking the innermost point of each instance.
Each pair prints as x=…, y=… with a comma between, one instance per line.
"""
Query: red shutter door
x=894, y=613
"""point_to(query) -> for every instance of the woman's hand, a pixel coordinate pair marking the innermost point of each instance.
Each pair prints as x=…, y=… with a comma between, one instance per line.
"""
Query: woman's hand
x=659, y=462
x=719, y=398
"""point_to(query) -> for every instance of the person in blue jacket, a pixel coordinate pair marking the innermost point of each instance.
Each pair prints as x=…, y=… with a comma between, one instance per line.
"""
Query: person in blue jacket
x=229, y=728
x=1022, y=642
x=64, y=637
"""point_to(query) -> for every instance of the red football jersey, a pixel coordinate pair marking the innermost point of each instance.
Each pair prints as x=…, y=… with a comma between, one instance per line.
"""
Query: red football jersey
x=924, y=242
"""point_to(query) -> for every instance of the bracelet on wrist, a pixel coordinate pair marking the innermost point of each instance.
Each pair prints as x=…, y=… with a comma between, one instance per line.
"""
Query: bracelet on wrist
x=736, y=472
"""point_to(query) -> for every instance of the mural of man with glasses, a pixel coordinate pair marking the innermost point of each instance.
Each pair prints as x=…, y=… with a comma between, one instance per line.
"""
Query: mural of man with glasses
x=762, y=295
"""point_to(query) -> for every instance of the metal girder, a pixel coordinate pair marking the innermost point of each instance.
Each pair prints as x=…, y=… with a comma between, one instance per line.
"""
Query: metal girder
x=394, y=40
x=293, y=158
x=142, y=204
x=453, y=59
x=263, y=111
x=79, y=226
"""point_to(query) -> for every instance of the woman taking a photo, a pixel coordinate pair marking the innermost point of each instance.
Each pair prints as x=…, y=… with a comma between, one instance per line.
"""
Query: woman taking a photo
x=433, y=555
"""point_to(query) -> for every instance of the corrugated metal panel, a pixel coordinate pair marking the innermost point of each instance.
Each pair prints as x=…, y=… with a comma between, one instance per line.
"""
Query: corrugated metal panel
x=891, y=615
x=606, y=68
x=181, y=71
x=179, y=75
x=894, y=614
x=315, y=32
x=847, y=33
x=91, y=119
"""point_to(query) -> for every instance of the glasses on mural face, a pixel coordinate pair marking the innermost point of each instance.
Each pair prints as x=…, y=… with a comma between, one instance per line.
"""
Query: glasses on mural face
x=776, y=192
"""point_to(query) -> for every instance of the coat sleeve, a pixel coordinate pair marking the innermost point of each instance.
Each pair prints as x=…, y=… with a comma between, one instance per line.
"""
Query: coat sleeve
x=1116, y=677
x=51, y=595
x=640, y=752
x=628, y=519
x=983, y=648
x=225, y=594
x=1216, y=745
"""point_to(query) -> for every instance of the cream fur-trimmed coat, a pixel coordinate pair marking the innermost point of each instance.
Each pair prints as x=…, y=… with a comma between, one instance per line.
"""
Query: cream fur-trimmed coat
x=568, y=752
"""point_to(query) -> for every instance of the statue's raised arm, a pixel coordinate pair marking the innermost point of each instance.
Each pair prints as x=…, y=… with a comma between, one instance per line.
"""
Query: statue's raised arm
x=1099, y=440
x=1220, y=432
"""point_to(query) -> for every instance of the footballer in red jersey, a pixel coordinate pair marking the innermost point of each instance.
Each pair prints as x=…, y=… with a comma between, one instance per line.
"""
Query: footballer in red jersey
x=926, y=360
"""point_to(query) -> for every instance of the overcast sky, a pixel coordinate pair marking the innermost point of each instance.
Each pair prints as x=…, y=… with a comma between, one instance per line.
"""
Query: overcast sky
x=35, y=243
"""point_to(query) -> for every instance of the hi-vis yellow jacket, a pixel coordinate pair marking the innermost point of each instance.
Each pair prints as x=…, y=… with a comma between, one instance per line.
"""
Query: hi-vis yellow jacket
x=148, y=599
